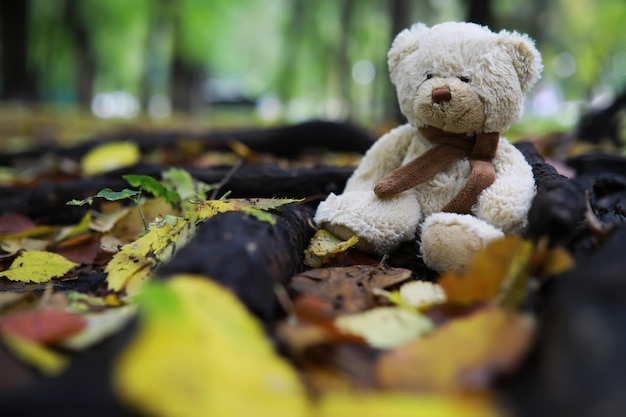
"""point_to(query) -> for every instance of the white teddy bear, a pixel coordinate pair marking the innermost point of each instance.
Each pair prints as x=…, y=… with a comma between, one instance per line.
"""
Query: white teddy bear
x=446, y=177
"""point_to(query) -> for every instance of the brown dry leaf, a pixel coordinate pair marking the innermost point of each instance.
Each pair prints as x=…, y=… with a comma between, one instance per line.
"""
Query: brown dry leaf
x=498, y=271
x=340, y=404
x=465, y=353
x=349, y=289
x=129, y=226
x=82, y=249
x=14, y=223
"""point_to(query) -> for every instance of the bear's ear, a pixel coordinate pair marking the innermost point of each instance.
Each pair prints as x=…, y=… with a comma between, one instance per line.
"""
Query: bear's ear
x=526, y=58
x=404, y=43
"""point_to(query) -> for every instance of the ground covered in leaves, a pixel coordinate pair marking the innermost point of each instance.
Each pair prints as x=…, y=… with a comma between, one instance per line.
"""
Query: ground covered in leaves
x=179, y=273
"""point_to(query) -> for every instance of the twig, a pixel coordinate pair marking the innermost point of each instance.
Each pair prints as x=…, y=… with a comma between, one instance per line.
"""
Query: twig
x=226, y=178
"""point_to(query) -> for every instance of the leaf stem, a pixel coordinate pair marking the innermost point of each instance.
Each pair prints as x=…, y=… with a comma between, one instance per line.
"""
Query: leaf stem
x=136, y=201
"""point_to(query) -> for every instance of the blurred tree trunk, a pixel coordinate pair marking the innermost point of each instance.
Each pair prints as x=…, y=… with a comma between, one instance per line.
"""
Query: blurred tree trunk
x=481, y=12
x=343, y=64
x=85, y=62
x=18, y=82
x=400, y=11
x=186, y=85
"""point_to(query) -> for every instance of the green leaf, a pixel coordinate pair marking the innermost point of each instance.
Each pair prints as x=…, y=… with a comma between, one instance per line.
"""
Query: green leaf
x=111, y=195
x=88, y=200
x=154, y=187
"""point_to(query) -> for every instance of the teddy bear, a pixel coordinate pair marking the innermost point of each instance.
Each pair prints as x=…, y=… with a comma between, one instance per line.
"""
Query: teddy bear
x=446, y=179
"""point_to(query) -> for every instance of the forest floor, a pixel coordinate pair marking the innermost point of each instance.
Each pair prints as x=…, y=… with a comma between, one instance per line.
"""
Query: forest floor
x=178, y=272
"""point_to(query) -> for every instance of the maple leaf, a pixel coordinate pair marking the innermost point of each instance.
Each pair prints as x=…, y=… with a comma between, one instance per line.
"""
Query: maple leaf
x=464, y=353
x=499, y=271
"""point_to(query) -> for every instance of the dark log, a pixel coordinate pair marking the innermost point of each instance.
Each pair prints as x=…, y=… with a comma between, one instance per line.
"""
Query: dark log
x=559, y=206
x=283, y=141
x=248, y=256
x=577, y=367
x=45, y=203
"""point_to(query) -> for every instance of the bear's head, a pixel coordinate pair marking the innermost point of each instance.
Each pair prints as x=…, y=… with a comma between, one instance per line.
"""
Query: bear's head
x=462, y=77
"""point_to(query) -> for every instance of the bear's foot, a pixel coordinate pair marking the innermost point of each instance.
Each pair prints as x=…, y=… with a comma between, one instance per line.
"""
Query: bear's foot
x=449, y=241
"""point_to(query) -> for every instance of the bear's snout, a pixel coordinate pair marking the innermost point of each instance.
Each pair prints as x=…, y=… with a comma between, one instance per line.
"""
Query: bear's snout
x=441, y=95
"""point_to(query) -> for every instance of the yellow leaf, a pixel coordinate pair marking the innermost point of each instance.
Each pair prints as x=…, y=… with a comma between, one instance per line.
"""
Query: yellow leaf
x=464, y=353
x=401, y=405
x=199, y=352
x=325, y=245
x=385, y=327
x=135, y=262
x=110, y=156
x=499, y=270
x=422, y=294
x=38, y=266
x=40, y=357
x=255, y=207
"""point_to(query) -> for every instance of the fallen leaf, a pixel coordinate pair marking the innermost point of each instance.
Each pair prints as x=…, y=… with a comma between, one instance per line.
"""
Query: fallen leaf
x=101, y=222
x=200, y=352
x=13, y=246
x=47, y=361
x=110, y=156
x=256, y=207
x=348, y=289
x=325, y=245
x=127, y=228
x=98, y=327
x=43, y=326
x=498, y=273
x=134, y=263
x=82, y=249
x=421, y=294
x=385, y=327
x=465, y=353
x=401, y=405
x=38, y=266
x=14, y=223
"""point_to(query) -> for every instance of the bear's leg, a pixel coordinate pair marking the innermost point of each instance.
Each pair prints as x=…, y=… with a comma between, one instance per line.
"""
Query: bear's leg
x=449, y=241
x=380, y=224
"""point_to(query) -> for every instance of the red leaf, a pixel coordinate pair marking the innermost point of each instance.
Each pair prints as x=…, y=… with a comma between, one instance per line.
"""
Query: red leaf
x=43, y=326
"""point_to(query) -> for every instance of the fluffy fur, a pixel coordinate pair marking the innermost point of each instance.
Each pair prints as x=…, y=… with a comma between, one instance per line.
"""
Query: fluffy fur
x=487, y=75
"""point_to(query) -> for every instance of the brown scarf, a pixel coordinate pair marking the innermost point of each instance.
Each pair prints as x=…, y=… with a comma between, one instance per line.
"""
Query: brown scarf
x=450, y=147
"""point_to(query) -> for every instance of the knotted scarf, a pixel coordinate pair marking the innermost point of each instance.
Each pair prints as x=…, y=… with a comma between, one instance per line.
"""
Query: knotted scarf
x=479, y=149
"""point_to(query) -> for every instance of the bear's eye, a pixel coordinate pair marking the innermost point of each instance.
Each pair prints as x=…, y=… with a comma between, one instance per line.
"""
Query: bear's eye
x=464, y=79
x=429, y=76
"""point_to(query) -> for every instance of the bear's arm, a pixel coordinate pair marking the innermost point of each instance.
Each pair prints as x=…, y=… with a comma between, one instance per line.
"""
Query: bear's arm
x=505, y=204
x=384, y=156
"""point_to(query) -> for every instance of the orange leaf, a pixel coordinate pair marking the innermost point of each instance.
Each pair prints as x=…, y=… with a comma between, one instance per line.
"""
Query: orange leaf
x=494, y=269
x=43, y=326
x=465, y=353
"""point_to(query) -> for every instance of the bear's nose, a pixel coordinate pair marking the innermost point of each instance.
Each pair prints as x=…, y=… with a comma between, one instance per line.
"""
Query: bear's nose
x=441, y=95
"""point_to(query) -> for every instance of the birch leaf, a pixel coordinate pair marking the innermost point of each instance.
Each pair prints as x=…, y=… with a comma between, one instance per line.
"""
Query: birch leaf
x=325, y=245
x=256, y=207
x=38, y=266
x=135, y=262
x=199, y=352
